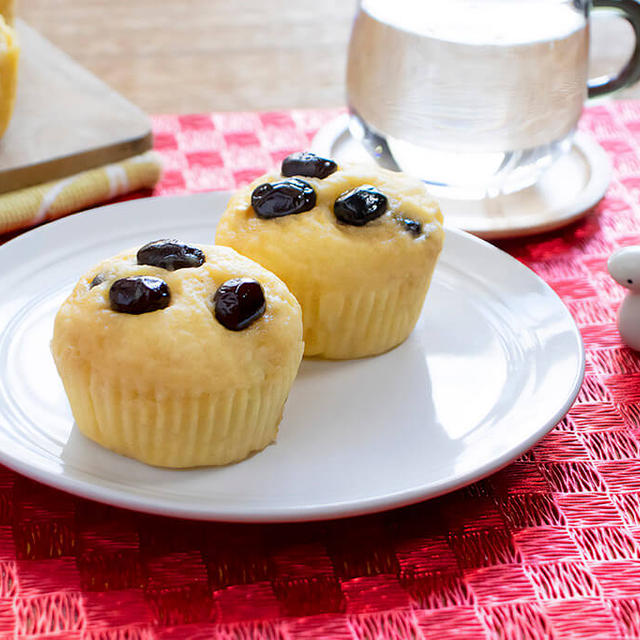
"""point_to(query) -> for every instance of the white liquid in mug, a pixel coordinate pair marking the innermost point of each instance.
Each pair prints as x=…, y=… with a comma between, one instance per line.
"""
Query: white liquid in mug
x=468, y=91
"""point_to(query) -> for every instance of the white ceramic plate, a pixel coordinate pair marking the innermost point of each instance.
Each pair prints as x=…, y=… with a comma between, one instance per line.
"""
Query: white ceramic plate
x=566, y=191
x=494, y=362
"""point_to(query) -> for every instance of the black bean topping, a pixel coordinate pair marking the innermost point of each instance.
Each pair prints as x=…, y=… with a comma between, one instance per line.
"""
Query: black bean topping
x=276, y=199
x=170, y=255
x=307, y=164
x=360, y=205
x=238, y=303
x=97, y=279
x=139, y=294
x=412, y=226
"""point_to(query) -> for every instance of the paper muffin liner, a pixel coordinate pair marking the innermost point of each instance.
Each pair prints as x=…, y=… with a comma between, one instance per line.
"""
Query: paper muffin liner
x=353, y=324
x=177, y=429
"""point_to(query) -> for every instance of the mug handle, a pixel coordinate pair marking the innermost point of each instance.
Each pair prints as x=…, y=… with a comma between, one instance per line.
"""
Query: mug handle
x=630, y=11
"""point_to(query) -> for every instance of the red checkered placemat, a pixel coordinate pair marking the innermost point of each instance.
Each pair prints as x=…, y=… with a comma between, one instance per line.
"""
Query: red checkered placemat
x=547, y=548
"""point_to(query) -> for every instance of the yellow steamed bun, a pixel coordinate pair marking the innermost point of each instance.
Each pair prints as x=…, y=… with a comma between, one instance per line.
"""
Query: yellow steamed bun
x=361, y=288
x=173, y=387
x=7, y=11
x=9, y=53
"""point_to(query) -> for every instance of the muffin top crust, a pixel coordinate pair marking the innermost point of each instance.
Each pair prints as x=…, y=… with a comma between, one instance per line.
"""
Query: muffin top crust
x=205, y=318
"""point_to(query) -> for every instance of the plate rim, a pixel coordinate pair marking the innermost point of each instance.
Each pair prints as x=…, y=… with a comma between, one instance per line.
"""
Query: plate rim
x=315, y=512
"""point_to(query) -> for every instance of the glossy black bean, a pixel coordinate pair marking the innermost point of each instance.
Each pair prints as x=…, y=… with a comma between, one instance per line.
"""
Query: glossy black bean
x=170, y=255
x=412, y=226
x=139, y=294
x=360, y=205
x=307, y=164
x=284, y=198
x=238, y=303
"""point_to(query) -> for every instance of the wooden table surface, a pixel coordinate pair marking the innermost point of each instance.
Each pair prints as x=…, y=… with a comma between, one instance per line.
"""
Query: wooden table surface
x=208, y=55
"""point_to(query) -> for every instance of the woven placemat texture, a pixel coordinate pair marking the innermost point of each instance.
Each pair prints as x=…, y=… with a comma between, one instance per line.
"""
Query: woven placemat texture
x=547, y=548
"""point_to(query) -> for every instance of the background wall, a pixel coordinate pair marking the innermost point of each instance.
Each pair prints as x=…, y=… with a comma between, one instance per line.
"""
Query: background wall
x=204, y=55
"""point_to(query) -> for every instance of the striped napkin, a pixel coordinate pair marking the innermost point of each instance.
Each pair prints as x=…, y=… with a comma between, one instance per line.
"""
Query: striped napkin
x=32, y=205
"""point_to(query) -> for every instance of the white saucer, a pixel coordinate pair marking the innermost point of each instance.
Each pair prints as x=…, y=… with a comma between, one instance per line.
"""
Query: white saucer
x=567, y=191
x=494, y=363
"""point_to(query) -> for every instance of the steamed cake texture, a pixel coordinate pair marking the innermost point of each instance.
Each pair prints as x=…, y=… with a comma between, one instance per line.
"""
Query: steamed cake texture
x=361, y=288
x=173, y=387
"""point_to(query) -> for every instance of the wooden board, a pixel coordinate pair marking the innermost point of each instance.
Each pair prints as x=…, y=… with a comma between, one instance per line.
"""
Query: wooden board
x=65, y=119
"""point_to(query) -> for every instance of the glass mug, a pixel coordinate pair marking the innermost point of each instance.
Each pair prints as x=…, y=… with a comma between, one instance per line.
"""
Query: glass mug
x=475, y=96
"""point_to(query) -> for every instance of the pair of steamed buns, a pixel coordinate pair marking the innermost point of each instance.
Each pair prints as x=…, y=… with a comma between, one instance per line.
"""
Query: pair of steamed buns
x=183, y=355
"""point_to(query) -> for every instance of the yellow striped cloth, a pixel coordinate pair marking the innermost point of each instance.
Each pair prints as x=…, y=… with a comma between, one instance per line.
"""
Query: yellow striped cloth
x=32, y=205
